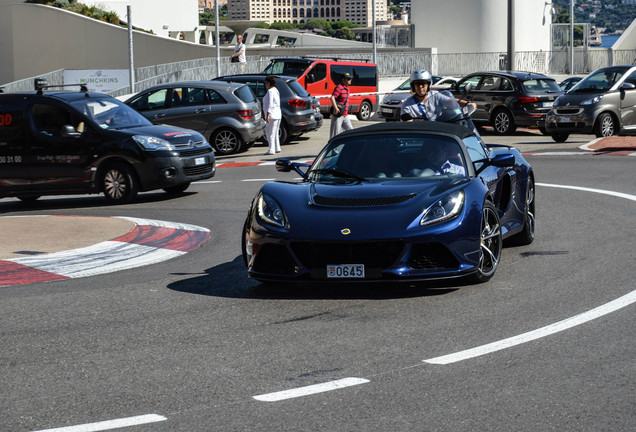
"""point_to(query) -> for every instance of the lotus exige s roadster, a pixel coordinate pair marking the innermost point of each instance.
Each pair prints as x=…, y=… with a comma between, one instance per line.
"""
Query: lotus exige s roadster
x=407, y=201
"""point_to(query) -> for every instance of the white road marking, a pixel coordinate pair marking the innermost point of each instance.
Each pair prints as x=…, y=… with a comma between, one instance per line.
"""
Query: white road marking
x=574, y=321
x=259, y=180
x=310, y=390
x=601, y=191
x=110, y=424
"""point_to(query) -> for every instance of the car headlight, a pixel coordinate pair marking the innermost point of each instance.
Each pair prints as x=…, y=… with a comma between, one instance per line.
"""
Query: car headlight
x=152, y=143
x=595, y=99
x=270, y=211
x=444, y=209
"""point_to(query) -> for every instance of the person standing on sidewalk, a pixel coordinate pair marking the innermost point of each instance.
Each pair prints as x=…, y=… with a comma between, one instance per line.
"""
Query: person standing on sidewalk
x=273, y=114
x=340, y=106
x=239, y=53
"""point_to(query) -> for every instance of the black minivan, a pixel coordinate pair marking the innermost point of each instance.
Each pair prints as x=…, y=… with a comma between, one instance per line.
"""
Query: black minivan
x=66, y=142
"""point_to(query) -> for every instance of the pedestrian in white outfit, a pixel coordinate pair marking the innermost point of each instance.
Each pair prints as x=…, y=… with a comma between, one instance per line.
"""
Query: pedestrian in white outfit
x=272, y=113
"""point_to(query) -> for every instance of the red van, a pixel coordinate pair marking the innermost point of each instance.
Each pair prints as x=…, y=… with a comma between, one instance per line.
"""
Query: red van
x=321, y=76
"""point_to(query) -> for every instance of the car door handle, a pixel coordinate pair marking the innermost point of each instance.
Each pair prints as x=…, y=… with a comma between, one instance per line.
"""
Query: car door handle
x=158, y=116
x=200, y=110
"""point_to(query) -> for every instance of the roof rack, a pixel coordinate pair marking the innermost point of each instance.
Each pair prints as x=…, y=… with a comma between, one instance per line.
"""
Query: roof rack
x=337, y=58
x=40, y=86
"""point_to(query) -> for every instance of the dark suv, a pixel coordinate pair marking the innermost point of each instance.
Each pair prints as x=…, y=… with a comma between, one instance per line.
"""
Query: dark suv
x=66, y=142
x=295, y=103
x=507, y=100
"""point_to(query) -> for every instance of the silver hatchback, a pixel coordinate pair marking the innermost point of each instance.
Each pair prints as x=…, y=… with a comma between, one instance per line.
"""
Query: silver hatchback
x=228, y=114
x=603, y=103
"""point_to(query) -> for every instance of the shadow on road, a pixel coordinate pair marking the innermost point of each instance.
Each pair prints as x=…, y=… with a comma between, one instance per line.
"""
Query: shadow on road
x=230, y=280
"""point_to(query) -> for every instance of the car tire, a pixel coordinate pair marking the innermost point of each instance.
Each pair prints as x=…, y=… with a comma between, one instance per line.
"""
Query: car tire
x=491, y=244
x=560, y=137
x=503, y=123
x=526, y=236
x=364, y=113
x=283, y=133
x=178, y=189
x=244, y=240
x=226, y=141
x=119, y=183
x=605, y=125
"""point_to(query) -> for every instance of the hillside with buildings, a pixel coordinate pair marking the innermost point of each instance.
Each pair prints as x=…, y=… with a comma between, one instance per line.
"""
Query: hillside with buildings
x=608, y=16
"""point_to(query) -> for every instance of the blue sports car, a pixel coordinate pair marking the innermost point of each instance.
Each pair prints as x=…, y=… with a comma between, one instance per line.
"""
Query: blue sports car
x=406, y=201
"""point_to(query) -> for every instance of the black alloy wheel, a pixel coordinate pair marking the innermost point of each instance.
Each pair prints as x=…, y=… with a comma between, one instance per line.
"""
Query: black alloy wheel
x=491, y=244
x=526, y=236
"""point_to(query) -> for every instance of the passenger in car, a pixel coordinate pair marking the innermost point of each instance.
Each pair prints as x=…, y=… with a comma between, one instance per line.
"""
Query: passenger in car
x=434, y=159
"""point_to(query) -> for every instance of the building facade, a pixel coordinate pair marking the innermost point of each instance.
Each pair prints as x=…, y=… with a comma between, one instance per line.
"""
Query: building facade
x=300, y=11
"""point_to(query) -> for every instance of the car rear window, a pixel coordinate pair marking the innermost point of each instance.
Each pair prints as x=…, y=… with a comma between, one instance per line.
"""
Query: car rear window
x=245, y=94
x=540, y=86
x=297, y=88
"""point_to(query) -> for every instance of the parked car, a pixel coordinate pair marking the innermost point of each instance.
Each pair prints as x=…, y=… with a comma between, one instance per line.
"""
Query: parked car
x=321, y=76
x=507, y=100
x=295, y=103
x=603, y=103
x=372, y=208
x=228, y=114
x=392, y=102
x=69, y=142
x=568, y=83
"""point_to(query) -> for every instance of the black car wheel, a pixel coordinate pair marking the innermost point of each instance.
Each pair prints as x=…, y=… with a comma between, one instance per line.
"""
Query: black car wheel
x=605, y=125
x=491, y=244
x=244, y=240
x=364, y=113
x=526, y=236
x=178, y=189
x=226, y=141
x=560, y=137
x=503, y=123
x=119, y=183
x=283, y=133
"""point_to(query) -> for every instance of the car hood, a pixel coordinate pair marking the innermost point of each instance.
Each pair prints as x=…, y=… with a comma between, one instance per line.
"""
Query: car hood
x=575, y=98
x=395, y=98
x=172, y=134
x=367, y=209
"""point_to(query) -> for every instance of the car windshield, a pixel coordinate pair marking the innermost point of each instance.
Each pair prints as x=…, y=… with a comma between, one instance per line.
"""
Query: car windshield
x=406, y=85
x=110, y=113
x=287, y=67
x=541, y=86
x=600, y=81
x=388, y=157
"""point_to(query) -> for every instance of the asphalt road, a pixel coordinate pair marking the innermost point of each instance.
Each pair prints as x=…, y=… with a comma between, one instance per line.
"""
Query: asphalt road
x=191, y=344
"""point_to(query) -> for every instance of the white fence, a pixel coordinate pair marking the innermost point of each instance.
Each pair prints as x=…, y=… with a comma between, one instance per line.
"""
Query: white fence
x=389, y=64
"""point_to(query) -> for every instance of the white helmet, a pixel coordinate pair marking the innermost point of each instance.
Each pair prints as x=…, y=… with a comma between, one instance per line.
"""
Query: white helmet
x=421, y=75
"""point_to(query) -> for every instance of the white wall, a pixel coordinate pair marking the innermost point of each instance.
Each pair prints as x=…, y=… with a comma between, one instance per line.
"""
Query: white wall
x=176, y=15
x=460, y=26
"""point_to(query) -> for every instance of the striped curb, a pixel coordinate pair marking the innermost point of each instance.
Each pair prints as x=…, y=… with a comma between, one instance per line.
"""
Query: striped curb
x=150, y=242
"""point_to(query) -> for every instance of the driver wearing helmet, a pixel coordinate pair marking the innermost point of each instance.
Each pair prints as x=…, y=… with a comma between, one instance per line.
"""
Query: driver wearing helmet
x=425, y=104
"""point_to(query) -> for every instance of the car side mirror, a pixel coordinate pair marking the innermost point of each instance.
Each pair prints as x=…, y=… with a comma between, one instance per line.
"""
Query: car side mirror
x=628, y=86
x=503, y=161
x=69, y=131
x=467, y=88
x=283, y=165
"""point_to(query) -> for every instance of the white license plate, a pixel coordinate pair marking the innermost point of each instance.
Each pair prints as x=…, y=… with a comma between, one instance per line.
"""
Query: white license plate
x=345, y=270
x=564, y=119
x=548, y=104
x=387, y=110
x=199, y=161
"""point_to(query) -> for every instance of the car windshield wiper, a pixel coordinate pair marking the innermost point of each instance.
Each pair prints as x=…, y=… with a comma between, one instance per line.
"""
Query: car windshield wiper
x=338, y=173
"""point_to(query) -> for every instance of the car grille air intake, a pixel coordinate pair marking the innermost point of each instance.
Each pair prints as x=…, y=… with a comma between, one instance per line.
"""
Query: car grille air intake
x=360, y=201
